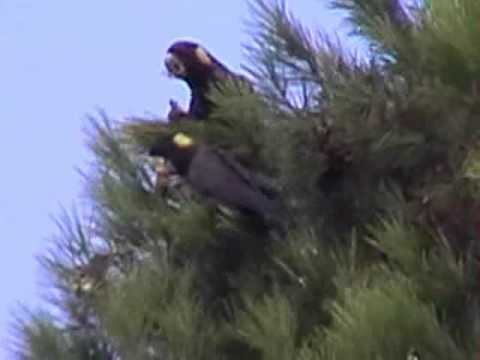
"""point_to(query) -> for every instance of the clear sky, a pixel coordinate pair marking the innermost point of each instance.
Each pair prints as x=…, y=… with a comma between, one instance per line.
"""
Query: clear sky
x=61, y=60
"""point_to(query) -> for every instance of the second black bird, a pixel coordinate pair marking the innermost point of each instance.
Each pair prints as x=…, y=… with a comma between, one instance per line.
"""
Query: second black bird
x=213, y=173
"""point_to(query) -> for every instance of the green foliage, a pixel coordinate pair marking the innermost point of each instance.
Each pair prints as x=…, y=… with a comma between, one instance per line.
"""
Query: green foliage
x=39, y=337
x=441, y=278
x=158, y=319
x=451, y=29
x=243, y=138
x=384, y=322
x=269, y=325
x=284, y=56
x=306, y=268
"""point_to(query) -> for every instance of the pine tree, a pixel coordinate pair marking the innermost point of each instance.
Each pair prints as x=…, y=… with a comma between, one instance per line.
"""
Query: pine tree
x=376, y=160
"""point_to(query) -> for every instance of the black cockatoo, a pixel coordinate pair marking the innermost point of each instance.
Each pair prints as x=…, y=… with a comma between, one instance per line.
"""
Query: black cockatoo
x=214, y=174
x=190, y=62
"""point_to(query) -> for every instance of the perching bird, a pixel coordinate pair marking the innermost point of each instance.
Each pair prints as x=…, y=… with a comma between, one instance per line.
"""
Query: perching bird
x=193, y=64
x=214, y=174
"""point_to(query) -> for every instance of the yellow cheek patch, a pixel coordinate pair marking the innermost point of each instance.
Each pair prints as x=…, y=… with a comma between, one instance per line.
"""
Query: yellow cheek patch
x=182, y=140
x=202, y=56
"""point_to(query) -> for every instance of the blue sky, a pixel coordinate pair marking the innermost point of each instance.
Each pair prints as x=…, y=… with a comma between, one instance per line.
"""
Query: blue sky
x=61, y=60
